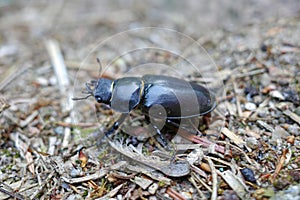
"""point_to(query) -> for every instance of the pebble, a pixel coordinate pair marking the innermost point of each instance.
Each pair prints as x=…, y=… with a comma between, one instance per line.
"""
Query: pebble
x=294, y=129
x=292, y=193
x=297, y=111
x=282, y=120
x=75, y=172
x=265, y=79
x=42, y=81
x=262, y=113
x=195, y=156
x=186, y=195
x=250, y=106
x=152, y=198
x=144, y=183
x=74, y=197
x=257, y=99
x=153, y=188
x=248, y=175
x=276, y=94
x=59, y=130
x=280, y=133
x=119, y=197
x=252, y=143
x=52, y=80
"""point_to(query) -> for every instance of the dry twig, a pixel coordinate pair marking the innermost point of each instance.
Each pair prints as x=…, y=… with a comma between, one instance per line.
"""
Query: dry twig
x=214, y=192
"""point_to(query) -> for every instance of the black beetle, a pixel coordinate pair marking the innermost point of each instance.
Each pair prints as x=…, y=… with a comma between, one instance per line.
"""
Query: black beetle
x=156, y=96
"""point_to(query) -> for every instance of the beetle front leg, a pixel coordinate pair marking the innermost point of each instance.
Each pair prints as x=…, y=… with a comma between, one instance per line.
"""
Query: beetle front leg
x=116, y=125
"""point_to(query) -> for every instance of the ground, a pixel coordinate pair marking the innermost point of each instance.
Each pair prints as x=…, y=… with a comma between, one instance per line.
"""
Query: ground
x=246, y=53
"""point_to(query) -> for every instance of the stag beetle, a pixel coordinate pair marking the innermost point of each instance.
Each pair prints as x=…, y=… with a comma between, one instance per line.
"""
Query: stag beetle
x=156, y=96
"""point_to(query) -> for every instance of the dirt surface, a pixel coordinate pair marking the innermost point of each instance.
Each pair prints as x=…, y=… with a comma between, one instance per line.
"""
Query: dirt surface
x=246, y=53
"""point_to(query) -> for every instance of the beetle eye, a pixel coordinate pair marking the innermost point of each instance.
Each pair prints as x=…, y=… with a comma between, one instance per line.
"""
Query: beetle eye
x=98, y=99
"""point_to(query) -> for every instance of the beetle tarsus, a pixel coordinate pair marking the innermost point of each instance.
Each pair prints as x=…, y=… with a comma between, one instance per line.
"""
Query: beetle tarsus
x=115, y=125
x=161, y=136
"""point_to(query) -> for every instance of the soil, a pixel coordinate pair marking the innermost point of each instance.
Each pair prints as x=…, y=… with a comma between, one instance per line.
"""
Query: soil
x=246, y=53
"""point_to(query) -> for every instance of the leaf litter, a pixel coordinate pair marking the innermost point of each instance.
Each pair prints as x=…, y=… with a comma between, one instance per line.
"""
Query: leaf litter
x=254, y=156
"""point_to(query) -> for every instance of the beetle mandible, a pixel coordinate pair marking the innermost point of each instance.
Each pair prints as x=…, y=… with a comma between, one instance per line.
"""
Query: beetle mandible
x=144, y=93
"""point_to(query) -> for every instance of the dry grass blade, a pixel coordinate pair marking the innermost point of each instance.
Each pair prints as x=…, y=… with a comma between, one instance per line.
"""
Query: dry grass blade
x=9, y=191
x=279, y=164
x=192, y=180
x=10, y=74
x=99, y=174
x=112, y=193
x=3, y=105
x=63, y=83
x=238, y=104
x=41, y=187
x=234, y=183
x=214, y=193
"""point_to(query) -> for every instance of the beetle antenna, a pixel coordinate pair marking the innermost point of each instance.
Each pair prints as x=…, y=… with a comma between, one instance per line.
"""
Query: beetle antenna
x=81, y=98
x=100, y=65
x=100, y=69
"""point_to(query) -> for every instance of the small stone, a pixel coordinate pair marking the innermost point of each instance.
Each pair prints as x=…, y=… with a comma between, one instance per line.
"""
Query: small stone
x=42, y=81
x=297, y=111
x=252, y=143
x=248, y=175
x=186, y=195
x=282, y=120
x=262, y=113
x=276, y=94
x=153, y=188
x=59, y=130
x=74, y=197
x=265, y=79
x=257, y=99
x=119, y=197
x=144, y=183
x=152, y=198
x=279, y=133
x=294, y=129
x=52, y=80
x=75, y=173
x=195, y=156
x=250, y=106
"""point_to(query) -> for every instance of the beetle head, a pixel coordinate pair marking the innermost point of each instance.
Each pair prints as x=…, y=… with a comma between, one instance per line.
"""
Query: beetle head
x=103, y=90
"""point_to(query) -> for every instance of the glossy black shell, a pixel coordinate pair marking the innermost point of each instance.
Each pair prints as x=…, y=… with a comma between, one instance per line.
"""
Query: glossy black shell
x=161, y=97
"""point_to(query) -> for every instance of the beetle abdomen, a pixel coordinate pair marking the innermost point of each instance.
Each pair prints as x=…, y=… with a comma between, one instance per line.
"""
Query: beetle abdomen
x=169, y=97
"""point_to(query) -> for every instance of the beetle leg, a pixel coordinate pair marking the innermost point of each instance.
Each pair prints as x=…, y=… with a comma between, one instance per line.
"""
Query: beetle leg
x=116, y=124
x=161, y=136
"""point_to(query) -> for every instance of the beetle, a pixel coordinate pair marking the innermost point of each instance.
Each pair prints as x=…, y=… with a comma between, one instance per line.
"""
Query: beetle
x=166, y=98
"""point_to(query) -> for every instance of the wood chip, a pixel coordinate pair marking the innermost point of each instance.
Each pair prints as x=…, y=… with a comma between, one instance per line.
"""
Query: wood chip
x=142, y=182
x=265, y=125
x=235, y=138
x=292, y=115
x=97, y=175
